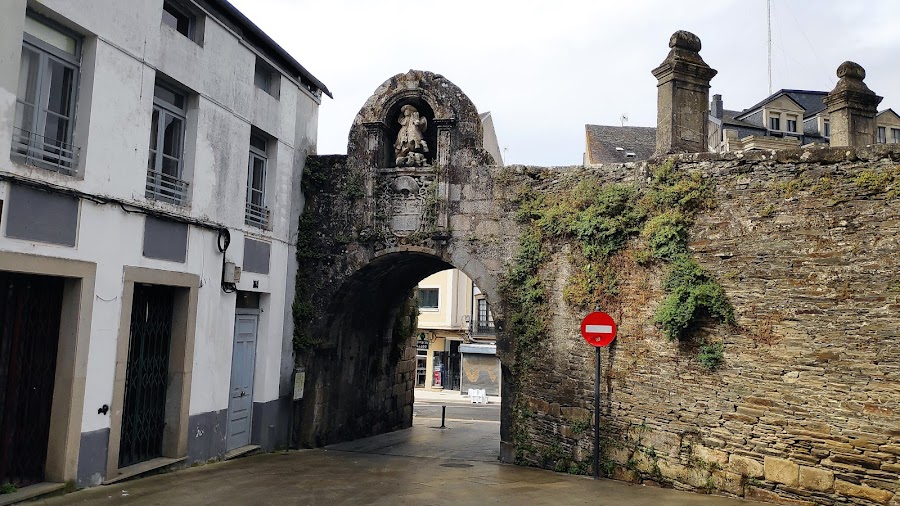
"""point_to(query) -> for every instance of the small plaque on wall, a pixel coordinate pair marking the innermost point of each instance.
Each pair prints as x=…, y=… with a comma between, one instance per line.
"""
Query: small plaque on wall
x=299, y=383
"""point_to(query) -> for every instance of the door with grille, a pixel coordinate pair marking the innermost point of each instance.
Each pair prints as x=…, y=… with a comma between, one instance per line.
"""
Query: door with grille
x=30, y=308
x=146, y=376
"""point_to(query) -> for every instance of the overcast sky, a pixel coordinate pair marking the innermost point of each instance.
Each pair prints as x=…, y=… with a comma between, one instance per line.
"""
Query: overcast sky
x=544, y=69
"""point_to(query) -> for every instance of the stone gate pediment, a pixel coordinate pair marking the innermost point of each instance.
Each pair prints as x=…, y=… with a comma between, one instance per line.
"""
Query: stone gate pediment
x=408, y=142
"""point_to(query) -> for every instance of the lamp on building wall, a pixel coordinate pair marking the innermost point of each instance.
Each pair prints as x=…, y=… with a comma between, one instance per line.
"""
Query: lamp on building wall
x=423, y=337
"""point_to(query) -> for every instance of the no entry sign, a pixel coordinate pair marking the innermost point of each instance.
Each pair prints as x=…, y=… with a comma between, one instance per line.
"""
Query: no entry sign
x=598, y=329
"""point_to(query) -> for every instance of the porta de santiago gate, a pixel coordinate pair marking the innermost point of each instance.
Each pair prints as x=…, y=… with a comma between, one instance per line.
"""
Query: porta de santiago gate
x=802, y=403
x=396, y=212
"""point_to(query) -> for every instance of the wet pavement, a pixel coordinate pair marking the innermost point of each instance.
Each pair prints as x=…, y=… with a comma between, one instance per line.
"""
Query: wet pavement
x=420, y=465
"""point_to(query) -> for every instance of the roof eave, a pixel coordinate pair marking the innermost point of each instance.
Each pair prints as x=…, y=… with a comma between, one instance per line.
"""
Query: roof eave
x=270, y=44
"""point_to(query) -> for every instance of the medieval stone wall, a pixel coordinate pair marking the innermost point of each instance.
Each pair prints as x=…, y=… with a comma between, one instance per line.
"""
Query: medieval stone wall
x=806, y=405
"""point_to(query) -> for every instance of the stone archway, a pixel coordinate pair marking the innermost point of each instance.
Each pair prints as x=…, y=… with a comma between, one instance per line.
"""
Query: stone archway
x=788, y=236
x=362, y=376
x=371, y=230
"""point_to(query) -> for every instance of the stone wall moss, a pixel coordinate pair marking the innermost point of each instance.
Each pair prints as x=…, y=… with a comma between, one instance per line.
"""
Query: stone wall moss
x=405, y=325
x=309, y=252
x=872, y=182
x=599, y=220
x=595, y=222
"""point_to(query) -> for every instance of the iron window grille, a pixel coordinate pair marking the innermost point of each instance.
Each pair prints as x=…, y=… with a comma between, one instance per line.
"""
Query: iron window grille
x=165, y=164
x=257, y=215
x=46, y=97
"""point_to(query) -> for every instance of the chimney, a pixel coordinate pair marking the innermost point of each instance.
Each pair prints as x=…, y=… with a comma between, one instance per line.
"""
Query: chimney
x=716, y=107
x=852, y=107
x=683, y=94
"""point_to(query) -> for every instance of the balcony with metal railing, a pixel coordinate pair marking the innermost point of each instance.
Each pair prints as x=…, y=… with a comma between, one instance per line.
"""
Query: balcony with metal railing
x=483, y=328
x=257, y=216
x=166, y=188
x=30, y=148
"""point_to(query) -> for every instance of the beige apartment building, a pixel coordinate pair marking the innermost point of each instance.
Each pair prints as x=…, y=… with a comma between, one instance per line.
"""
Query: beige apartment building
x=456, y=347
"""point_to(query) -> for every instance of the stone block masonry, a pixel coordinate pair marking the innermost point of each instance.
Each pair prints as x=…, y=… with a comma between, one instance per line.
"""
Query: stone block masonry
x=806, y=407
x=797, y=401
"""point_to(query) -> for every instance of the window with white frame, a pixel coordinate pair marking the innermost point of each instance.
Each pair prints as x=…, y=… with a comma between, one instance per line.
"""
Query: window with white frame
x=256, y=213
x=428, y=298
x=45, y=101
x=791, y=124
x=165, y=166
x=774, y=122
x=895, y=135
x=882, y=135
x=484, y=323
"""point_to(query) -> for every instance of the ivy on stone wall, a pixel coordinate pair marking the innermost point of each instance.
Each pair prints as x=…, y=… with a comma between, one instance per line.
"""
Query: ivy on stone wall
x=405, y=326
x=308, y=253
x=600, y=221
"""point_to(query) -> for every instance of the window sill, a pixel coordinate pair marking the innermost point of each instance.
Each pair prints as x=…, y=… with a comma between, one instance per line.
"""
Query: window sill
x=30, y=163
x=41, y=172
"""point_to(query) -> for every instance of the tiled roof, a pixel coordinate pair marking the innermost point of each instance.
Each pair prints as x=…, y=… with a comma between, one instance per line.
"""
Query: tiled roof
x=811, y=101
x=602, y=141
x=728, y=119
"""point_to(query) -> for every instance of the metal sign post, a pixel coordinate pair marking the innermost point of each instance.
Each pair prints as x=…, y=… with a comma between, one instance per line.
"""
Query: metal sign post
x=597, y=416
x=598, y=329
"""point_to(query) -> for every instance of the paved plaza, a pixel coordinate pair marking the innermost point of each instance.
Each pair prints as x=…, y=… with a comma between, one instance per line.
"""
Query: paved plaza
x=421, y=465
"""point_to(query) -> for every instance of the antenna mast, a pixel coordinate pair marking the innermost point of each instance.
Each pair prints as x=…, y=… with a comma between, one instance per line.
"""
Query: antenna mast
x=769, y=22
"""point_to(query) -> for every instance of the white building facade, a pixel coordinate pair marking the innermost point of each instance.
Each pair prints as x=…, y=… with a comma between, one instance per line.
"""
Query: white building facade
x=150, y=160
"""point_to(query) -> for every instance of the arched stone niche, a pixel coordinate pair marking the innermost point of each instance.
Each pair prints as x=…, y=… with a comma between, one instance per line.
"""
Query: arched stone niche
x=454, y=126
x=407, y=205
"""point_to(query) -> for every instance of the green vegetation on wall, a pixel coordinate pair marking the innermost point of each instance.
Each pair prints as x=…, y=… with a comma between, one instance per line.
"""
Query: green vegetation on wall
x=309, y=251
x=405, y=326
x=600, y=221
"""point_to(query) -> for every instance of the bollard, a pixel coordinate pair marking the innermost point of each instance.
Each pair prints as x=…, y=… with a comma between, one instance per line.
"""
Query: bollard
x=443, y=416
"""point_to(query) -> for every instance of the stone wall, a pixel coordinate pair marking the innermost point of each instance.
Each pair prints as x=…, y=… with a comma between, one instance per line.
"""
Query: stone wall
x=357, y=384
x=806, y=406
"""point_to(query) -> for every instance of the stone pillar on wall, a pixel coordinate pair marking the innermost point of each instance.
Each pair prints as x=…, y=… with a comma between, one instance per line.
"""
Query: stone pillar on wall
x=852, y=107
x=683, y=84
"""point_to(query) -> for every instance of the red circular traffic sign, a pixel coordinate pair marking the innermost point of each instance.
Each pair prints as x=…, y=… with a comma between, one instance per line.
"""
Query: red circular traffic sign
x=598, y=329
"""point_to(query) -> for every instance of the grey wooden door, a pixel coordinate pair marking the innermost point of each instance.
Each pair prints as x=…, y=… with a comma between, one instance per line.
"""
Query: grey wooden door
x=240, y=405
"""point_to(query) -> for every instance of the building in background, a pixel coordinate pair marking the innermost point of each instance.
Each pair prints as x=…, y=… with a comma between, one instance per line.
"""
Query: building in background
x=786, y=119
x=150, y=158
x=618, y=144
x=888, y=124
x=456, y=347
